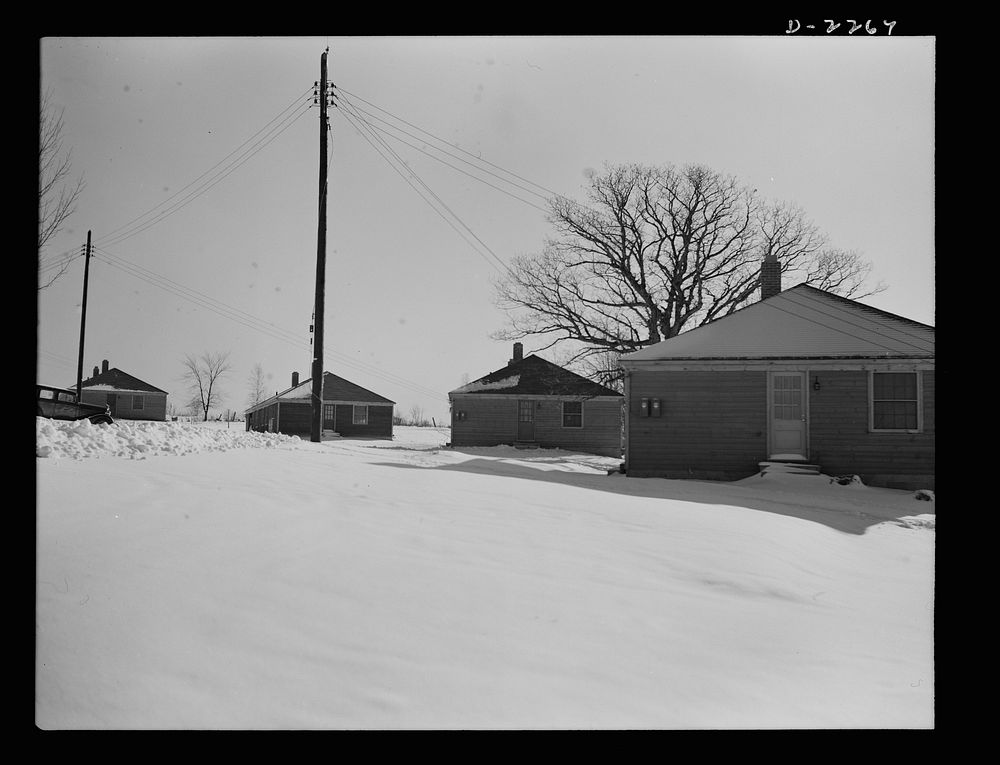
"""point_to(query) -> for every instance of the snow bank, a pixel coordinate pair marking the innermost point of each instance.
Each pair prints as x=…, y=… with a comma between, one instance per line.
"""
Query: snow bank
x=135, y=439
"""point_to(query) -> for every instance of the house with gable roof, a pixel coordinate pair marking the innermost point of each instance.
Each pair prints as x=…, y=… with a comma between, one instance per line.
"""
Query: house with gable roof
x=803, y=379
x=128, y=397
x=532, y=402
x=348, y=410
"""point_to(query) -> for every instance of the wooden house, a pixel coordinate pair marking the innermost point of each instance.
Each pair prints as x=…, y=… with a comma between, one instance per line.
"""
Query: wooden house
x=348, y=410
x=802, y=377
x=532, y=402
x=128, y=397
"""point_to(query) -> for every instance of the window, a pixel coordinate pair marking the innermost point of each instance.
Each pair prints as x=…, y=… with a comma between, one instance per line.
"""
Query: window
x=137, y=402
x=572, y=414
x=360, y=415
x=895, y=401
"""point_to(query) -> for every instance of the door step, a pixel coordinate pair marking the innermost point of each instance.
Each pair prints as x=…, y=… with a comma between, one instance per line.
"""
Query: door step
x=525, y=444
x=790, y=467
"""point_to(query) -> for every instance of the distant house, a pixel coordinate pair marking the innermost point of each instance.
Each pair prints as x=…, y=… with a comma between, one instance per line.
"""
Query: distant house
x=128, y=397
x=348, y=410
x=802, y=377
x=533, y=402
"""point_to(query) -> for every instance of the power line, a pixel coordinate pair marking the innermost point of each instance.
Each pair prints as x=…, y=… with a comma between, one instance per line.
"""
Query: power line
x=251, y=321
x=113, y=237
x=351, y=118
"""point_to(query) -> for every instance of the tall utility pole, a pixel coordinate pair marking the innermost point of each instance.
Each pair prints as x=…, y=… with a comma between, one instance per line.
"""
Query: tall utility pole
x=317, y=365
x=83, y=319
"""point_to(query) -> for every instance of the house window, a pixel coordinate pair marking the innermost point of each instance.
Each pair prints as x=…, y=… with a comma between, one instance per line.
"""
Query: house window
x=572, y=414
x=895, y=402
x=360, y=415
x=137, y=402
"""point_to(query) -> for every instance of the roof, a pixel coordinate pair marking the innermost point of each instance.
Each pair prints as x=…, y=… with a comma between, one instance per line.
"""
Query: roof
x=115, y=379
x=334, y=389
x=534, y=376
x=800, y=322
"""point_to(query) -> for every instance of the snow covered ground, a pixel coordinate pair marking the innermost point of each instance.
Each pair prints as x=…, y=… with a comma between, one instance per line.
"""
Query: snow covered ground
x=195, y=576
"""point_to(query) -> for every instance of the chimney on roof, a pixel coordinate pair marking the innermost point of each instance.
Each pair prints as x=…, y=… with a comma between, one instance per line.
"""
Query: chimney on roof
x=104, y=366
x=295, y=379
x=770, y=276
x=518, y=353
x=96, y=372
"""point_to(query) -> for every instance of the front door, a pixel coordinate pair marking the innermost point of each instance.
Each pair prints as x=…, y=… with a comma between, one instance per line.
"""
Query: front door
x=788, y=415
x=525, y=421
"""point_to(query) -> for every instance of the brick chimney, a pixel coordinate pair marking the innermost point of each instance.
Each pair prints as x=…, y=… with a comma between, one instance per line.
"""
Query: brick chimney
x=295, y=379
x=104, y=366
x=96, y=372
x=770, y=276
x=518, y=353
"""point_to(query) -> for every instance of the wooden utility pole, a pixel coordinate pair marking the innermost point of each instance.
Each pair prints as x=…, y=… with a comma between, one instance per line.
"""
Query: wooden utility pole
x=317, y=365
x=83, y=319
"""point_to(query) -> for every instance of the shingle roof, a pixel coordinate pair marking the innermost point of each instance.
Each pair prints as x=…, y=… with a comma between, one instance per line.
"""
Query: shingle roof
x=115, y=379
x=334, y=389
x=534, y=376
x=801, y=322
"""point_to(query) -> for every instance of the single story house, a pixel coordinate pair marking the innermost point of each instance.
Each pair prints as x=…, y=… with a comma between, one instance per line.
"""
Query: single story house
x=348, y=410
x=532, y=402
x=802, y=376
x=128, y=397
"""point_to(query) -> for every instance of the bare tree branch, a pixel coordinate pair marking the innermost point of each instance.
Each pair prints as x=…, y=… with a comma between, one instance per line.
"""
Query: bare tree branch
x=202, y=375
x=655, y=251
x=57, y=194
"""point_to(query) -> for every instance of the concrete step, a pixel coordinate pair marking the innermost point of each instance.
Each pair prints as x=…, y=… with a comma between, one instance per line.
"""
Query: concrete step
x=788, y=466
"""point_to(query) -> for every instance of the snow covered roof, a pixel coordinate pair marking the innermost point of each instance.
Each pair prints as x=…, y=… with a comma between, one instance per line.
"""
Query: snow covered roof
x=801, y=322
x=115, y=379
x=534, y=376
x=334, y=389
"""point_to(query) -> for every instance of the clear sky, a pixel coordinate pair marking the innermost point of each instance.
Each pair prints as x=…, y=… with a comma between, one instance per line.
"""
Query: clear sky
x=201, y=162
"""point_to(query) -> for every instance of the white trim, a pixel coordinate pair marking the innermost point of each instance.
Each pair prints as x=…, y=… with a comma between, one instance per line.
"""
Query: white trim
x=563, y=415
x=786, y=365
x=919, y=402
x=514, y=397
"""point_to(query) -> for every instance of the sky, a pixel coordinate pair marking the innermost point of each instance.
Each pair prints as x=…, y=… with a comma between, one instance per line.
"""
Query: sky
x=245, y=581
x=201, y=162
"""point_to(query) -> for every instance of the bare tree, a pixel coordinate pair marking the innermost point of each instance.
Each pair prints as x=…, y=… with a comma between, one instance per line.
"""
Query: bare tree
x=656, y=251
x=57, y=194
x=256, y=382
x=417, y=415
x=202, y=376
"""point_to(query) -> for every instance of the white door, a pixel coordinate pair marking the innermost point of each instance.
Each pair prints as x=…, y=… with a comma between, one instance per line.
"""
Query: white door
x=788, y=415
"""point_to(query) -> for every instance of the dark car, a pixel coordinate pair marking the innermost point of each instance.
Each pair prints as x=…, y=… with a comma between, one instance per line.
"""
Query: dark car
x=61, y=404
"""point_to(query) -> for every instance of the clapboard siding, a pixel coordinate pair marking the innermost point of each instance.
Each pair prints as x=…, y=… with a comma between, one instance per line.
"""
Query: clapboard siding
x=840, y=441
x=154, y=404
x=486, y=421
x=379, y=422
x=493, y=421
x=712, y=425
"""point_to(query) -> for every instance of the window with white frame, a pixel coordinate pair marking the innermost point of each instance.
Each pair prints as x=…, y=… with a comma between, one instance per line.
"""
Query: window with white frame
x=137, y=402
x=572, y=414
x=360, y=415
x=895, y=401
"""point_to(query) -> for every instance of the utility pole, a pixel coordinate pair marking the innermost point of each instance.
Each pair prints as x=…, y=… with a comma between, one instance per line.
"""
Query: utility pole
x=317, y=365
x=83, y=319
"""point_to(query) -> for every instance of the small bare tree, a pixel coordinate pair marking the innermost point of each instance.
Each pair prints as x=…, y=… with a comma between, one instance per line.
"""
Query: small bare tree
x=256, y=382
x=202, y=376
x=417, y=415
x=57, y=194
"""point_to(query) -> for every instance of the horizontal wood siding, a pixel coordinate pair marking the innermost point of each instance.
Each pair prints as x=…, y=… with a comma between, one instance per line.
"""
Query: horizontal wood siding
x=841, y=444
x=493, y=421
x=258, y=420
x=712, y=425
x=154, y=404
x=486, y=422
x=294, y=419
x=379, y=422
x=601, y=432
